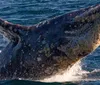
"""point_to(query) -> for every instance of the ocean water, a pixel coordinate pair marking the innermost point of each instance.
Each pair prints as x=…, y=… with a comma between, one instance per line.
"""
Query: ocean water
x=29, y=12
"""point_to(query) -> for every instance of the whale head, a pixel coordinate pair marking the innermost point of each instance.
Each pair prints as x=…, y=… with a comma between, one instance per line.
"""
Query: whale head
x=50, y=47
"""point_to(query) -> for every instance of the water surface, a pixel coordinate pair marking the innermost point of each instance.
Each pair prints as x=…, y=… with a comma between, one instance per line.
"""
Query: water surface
x=30, y=12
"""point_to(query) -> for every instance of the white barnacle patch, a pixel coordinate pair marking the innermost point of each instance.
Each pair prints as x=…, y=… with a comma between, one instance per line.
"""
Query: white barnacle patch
x=22, y=51
x=38, y=39
x=44, y=22
x=15, y=30
x=33, y=50
x=0, y=51
x=10, y=27
x=29, y=45
x=47, y=50
x=75, y=26
x=71, y=14
x=56, y=58
x=6, y=22
x=43, y=42
x=1, y=29
x=26, y=33
x=62, y=48
x=47, y=32
x=48, y=70
x=40, y=51
x=48, y=22
x=70, y=25
x=29, y=53
x=25, y=46
x=56, y=22
x=39, y=59
x=41, y=45
x=42, y=65
x=52, y=45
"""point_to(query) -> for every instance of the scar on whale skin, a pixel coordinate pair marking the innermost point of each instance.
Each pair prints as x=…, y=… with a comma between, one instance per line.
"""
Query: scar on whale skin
x=50, y=47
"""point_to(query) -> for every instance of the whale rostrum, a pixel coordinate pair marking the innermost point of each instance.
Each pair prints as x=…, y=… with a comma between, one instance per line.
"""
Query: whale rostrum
x=50, y=47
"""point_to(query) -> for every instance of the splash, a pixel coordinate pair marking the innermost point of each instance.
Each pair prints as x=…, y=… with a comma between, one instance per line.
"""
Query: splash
x=85, y=70
x=73, y=74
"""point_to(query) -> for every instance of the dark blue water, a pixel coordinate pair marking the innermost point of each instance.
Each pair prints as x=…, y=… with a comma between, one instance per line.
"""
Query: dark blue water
x=29, y=12
x=15, y=82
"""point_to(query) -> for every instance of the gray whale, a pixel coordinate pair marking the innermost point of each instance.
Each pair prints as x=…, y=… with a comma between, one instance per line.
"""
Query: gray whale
x=50, y=47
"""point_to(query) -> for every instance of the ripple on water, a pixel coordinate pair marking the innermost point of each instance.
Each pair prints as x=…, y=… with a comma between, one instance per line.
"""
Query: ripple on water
x=29, y=12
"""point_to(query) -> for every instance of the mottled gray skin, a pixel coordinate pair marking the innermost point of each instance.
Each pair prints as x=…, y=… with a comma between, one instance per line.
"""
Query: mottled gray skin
x=50, y=47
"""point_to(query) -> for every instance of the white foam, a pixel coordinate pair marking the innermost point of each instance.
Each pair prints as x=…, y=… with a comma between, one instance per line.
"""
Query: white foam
x=86, y=69
x=73, y=74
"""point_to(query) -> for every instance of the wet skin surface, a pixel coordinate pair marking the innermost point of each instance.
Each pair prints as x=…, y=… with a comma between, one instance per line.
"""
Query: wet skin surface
x=50, y=47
